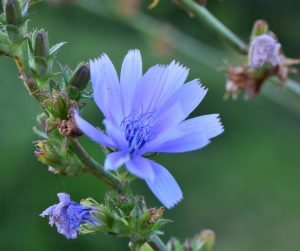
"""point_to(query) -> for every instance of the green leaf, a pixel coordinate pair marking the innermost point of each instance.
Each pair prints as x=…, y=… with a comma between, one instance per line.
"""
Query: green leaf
x=6, y=46
x=54, y=49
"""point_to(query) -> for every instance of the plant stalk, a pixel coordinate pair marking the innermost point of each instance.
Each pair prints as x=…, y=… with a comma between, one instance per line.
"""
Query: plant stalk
x=206, y=17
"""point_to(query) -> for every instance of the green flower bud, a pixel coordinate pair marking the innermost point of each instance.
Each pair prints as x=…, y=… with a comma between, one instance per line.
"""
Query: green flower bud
x=260, y=27
x=12, y=12
x=57, y=104
x=56, y=155
x=47, y=154
x=81, y=77
x=41, y=44
x=208, y=237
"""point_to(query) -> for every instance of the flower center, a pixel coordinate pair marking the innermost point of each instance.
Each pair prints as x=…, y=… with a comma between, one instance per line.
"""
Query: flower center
x=137, y=128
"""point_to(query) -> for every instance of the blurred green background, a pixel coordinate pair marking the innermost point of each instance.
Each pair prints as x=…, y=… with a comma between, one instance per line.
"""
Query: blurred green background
x=244, y=185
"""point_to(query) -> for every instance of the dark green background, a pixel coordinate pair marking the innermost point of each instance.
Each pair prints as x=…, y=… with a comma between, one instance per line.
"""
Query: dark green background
x=244, y=185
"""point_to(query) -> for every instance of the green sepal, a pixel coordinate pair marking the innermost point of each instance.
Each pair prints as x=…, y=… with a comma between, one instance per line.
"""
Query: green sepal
x=6, y=46
x=54, y=49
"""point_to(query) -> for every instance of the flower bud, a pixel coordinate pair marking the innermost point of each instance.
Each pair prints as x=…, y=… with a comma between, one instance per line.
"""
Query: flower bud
x=264, y=50
x=68, y=216
x=47, y=154
x=81, y=77
x=12, y=12
x=56, y=155
x=260, y=27
x=41, y=44
x=57, y=105
x=208, y=237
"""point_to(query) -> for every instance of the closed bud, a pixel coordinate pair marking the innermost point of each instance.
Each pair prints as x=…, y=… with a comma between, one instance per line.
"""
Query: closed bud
x=57, y=104
x=57, y=157
x=260, y=27
x=47, y=154
x=12, y=12
x=81, y=77
x=208, y=237
x=41, y=44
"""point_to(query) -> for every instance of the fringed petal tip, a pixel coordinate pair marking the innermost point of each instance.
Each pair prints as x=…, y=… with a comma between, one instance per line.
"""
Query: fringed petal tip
x=213, y=125
x=175, y=65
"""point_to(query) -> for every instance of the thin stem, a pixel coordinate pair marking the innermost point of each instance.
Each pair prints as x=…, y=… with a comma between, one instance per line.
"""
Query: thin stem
x=158, y=244
x=29, y=82
x=94, y=167
x=204, y=16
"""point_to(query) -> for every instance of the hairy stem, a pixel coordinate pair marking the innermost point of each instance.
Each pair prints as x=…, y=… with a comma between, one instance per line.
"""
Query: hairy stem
x=29, y=82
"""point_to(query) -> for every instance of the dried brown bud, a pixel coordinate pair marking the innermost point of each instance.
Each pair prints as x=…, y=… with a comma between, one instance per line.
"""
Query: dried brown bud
x=69, y=127
x=241, y=79
x=155, y=214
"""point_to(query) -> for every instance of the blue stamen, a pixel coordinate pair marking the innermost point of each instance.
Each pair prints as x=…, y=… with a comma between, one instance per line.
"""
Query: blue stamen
x=137, y=128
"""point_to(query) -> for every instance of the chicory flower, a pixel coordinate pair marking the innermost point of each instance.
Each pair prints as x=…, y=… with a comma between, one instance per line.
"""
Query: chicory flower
x=146, y=113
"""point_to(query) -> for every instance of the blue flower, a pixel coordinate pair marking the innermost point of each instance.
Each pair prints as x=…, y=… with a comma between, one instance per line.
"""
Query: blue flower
x=264, y=49
x=147, y=114
x=68, y=215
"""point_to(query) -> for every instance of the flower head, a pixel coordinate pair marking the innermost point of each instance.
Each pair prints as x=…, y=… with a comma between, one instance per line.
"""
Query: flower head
x=264, y=49
x=145, y=114
x=68, y=215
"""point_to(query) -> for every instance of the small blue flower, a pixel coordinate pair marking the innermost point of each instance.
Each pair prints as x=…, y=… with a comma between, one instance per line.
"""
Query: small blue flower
x=264, y=49
x=147, y=114
x=68, y=215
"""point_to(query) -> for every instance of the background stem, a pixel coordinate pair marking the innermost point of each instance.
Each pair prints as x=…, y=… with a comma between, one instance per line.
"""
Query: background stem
x=214, y=24
x=158, y=244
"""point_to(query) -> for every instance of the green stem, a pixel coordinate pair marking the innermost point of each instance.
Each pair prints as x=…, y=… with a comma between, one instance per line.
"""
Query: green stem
x=94, y=167
x=204, y=16
x=158, y=244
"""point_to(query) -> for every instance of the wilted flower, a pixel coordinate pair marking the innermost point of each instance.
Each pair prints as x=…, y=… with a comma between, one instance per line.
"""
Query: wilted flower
x=264, y=49
x=145, y=114
x=68, y=215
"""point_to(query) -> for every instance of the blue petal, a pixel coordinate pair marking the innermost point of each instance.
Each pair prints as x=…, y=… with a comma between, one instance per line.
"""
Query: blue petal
x=140, y=167
x=179, y=106
x=116, y=134
x=115, y=160
x=131, y=73
x=106, y=88
x=188, y=96
x=93, y=132
x=189, y=135
x=164, y=186
x=157, y=85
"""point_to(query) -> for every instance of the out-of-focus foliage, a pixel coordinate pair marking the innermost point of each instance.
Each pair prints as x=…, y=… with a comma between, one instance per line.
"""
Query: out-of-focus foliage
x=244, y=186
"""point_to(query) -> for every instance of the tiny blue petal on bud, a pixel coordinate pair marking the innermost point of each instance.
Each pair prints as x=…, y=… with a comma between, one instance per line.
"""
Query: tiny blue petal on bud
x=264, y=49
x=68, y=215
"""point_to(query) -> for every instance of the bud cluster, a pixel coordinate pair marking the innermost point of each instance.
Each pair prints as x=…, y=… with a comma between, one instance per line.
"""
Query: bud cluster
x=120, y=215
x=201, y=242
x=265, y=59
x=56, y=155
